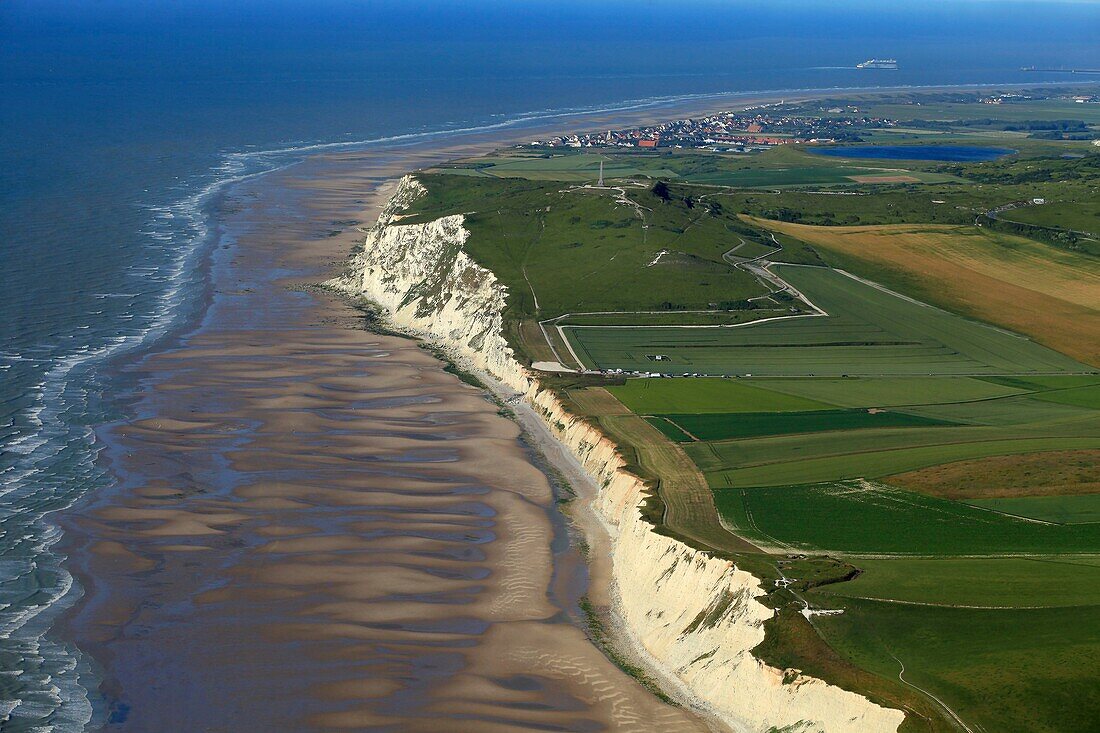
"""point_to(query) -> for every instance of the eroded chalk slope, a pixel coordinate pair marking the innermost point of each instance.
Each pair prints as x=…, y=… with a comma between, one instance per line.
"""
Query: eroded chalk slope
x=696, y=616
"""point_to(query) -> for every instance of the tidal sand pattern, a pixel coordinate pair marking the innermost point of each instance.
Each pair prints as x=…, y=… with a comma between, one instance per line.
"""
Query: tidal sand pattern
x=317, y=528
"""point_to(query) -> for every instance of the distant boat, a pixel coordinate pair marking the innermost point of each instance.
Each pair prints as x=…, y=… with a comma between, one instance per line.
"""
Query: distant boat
x=878, y=64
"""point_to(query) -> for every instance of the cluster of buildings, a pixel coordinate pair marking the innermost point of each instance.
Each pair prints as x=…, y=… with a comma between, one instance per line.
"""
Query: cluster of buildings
x=1003, y=98
x=755, y=127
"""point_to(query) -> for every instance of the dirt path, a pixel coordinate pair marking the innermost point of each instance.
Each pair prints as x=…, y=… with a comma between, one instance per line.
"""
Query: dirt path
x=930, y=696
x=689, y=509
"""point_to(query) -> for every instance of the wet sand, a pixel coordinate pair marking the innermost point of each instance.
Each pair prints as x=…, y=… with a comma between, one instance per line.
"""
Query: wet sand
x=317, y=528
x=314, y=527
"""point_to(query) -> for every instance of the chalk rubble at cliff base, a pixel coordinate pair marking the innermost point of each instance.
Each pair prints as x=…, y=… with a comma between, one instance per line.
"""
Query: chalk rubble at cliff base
x=695, y=615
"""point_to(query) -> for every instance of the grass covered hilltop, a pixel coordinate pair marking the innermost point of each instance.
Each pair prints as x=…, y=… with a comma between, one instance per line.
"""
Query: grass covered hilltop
x=885, y=397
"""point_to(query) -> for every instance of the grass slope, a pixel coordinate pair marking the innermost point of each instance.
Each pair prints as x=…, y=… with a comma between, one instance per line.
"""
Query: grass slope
x=855, y=518
x=655, y=396
x=724, y=426
x=1000, y=670
x=1076, y=509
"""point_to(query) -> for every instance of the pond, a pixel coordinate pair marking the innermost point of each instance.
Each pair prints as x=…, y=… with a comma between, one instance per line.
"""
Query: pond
x=952, y=153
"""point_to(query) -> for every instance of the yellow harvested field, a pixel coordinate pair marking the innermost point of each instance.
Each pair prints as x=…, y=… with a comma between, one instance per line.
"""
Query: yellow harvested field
x=1049, y=294
x=596, y=402
x=1051, y=473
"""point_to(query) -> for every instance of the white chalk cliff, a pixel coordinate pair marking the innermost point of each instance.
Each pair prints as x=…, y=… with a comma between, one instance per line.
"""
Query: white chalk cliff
x=695, y=615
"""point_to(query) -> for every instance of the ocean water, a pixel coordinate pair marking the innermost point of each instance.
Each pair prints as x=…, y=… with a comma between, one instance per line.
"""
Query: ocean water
x=120, y=121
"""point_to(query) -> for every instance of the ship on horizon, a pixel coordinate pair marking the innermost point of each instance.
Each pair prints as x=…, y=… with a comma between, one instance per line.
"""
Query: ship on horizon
x=878, y=64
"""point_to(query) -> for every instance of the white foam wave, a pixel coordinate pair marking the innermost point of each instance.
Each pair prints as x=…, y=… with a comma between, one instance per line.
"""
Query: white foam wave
x=53, y=455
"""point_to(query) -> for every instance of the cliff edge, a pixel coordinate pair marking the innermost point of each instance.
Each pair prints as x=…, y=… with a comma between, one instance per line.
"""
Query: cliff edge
x=695, y=615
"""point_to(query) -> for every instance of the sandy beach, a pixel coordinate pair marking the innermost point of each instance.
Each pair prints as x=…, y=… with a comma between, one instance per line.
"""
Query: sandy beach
x=315, y=527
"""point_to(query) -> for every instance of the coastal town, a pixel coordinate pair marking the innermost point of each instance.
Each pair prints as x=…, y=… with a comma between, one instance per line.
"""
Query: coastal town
x=755, y=127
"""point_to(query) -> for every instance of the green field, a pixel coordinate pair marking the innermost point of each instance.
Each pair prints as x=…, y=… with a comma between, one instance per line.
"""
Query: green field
x=669, y=429
x=1085, y=396
x=1012, y=112
x=868, y=332
x=576, y=167
x=892, y=392
x=816, y=176
x=999, y=670
x=943, y=586
x=840, y=456
x=666, y=318
x=1080, y=215
x=783, y=166
x=1076, y=509
x=656, y=396
x=1045, y=385
x=565, y=250
x=1007, y=582
x=724, y=426
x=856, y=518
x=931, y=476
x=586, y=254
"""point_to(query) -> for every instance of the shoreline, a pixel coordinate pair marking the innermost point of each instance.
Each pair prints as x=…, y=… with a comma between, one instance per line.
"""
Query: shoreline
x=603, y=592
x=479, y=142
x=696, y=614
x=200, y=549
x=600, y=606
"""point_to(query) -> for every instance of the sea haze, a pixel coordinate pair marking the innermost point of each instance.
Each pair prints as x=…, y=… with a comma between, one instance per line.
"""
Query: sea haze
x=121, y=121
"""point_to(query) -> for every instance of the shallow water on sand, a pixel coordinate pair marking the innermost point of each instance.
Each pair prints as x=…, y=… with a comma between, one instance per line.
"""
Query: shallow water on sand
x=314, y=527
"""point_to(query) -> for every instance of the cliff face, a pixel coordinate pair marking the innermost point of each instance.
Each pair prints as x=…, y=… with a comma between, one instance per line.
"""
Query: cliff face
x=695, y=615
x=431, y=287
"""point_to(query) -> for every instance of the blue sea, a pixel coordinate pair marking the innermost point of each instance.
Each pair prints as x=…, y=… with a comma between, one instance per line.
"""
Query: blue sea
x=120, y=120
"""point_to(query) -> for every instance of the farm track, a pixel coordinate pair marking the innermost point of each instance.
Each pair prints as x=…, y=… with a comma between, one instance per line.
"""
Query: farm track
x=929, y=695
x=689, y=509
x=761, y=272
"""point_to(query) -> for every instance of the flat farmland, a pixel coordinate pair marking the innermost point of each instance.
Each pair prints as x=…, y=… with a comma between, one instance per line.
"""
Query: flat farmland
x=864, y=518
x=1084, y=396
x=1005, y=582
x=1045, y=109
x=665, y=318
x=1011, y=410
x=1036, y=475
x=868, y=331
x=819, y=176
x=571, y=167
x=1050, y=294
x=655, y=396
x=1073, y=509
x=1080, y=215
x=724, y=426
x=955, y=437
x=869, y=454
x=892, y=392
